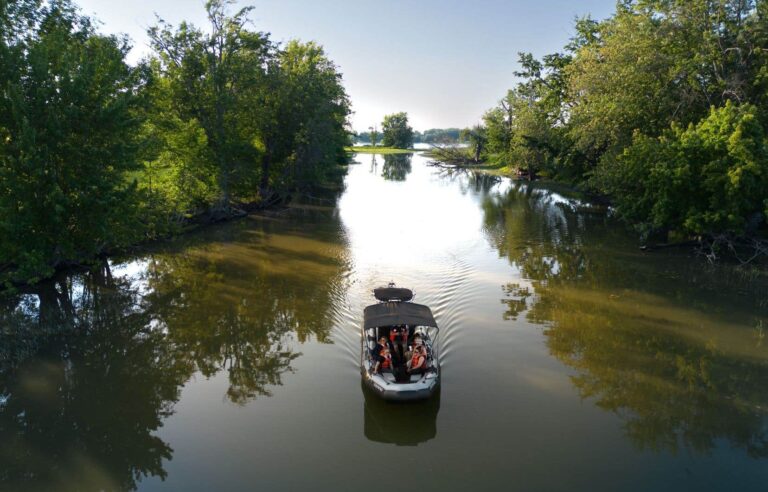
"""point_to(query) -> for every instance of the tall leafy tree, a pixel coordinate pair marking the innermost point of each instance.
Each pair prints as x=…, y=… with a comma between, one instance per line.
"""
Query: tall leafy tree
x=305, y=130
x=212, y=76
x=396, y=132
x=660, y=90
x=69, y=115
x=477, y=138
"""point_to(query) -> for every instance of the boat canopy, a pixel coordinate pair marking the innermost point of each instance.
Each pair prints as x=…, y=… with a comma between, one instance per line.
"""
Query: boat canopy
x=385, y=294
x=398, y=313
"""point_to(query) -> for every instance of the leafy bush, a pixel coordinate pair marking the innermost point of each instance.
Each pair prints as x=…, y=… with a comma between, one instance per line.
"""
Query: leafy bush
x=710, y=177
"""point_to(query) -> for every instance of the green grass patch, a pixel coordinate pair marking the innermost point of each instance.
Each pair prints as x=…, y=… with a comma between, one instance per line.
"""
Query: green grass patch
x=368, y=149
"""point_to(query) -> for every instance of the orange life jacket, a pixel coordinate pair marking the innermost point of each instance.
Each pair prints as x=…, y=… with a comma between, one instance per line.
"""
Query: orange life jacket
x=387, y=360
x=415, y=360
x=398, y=331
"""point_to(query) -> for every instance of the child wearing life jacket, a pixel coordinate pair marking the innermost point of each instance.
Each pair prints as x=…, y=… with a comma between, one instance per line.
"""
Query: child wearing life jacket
x=384, y=361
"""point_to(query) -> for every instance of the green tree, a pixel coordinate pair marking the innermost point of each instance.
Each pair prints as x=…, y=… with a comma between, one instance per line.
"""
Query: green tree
x=180, y=173
x=498, y=132
x=477, y=138
x=599, y=114
x=527, y=129
x=660, y=62
x=438, y=135
x=320, y=107
x=396, y=132
x=710, y=177
x=70, y=110
x=212, y=77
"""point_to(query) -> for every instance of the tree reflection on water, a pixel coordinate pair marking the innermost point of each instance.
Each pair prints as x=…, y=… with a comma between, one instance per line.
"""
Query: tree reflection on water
x=662, y=341
x=91, y=363
x=85, y=384
x=396, y=166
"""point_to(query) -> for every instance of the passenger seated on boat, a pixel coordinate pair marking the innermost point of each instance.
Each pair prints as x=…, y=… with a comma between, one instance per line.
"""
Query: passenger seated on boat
x=377, y=351
x=418, y=360
x=375, y=357
x=416, y=342
x=384, y=362
x=386, y=357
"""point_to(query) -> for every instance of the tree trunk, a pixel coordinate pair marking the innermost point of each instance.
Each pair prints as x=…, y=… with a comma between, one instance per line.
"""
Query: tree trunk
x=266, y=164
x=224, y=184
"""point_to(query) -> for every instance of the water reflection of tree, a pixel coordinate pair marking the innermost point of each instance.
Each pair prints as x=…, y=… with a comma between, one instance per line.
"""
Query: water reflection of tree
x=220, y=318
x=468, y=180
x=98, y=386
x=91, y=364
x=396, y=166
x=642, y=333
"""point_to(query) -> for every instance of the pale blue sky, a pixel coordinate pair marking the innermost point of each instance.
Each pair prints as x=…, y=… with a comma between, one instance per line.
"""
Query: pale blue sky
x=443, y=61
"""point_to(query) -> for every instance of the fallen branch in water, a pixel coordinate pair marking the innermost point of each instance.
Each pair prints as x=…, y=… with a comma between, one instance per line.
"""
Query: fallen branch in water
x=456, y=156
x=714, y=247
x=745, y=250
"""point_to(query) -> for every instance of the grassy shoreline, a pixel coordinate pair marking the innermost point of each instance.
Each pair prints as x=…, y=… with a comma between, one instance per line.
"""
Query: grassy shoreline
x=368, y=149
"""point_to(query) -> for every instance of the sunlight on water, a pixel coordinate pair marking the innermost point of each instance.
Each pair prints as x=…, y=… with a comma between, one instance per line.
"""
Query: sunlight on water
x=399, y=227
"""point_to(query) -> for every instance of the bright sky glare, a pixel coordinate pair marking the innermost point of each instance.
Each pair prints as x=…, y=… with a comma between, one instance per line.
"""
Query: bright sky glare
x=443, y=61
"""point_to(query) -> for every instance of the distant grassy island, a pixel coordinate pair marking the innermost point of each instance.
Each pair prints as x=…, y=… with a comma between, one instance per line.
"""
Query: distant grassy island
x=370, y=149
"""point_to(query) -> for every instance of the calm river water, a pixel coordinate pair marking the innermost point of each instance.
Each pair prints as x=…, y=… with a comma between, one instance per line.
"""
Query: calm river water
x=228, y=360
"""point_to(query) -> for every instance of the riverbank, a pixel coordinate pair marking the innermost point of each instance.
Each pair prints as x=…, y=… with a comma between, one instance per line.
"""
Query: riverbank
x=741, y=250
x=11, y=280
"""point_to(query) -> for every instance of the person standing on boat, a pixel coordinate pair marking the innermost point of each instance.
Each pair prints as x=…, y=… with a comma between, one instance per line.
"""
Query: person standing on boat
x=398, y=337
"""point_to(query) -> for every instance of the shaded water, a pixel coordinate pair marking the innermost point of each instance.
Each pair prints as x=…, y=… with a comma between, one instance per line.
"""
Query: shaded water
x=228, y=360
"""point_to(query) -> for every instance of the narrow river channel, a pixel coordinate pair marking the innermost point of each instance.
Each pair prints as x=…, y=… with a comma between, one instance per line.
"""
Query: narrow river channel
x=229, y=359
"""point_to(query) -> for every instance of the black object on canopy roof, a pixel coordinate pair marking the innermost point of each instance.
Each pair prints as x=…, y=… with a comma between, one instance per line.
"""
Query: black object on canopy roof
x=398, y=313
x=393, y=294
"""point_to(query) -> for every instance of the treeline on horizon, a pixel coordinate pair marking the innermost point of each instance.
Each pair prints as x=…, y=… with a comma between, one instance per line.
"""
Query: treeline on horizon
x=432, y=135
x=98, y=155
x=662, y=107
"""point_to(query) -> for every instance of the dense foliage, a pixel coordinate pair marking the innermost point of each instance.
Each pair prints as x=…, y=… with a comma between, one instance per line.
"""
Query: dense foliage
x=708, y=177
x=96, y=154
x=69, y=119
x=396, y=132
x=661, y=106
